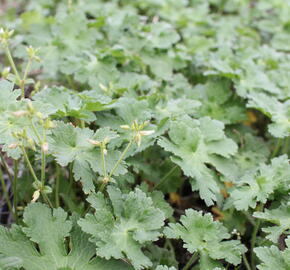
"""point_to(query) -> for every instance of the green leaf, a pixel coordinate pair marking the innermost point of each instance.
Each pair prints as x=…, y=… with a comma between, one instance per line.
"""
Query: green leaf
x=161, y=256
x=9, y=263
x=70, y=144
x=41, y=243
x=280, y=217
x=62, y=102
x=258, y=184
x=16, y=119
x=207, y=237
x=123, y=224
x=196, y=144
x=279, y=112
x=273, y=258
x=8, y=97
x=158, y=200
x=162, y=36
x=162, y=267
x=218, y=102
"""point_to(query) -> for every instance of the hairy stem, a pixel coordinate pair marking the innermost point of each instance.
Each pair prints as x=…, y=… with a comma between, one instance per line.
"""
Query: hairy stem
x=46, y=199
x=103, y=162
x=254, y=237
x=6, y=167
x=28, y=163
x=277, y=148
x=57, y=185
x=165, y=177
x=191, y=261
x=22, y=82
x=121, y=158
x=286, y=145
x=11, y=62
x=246, y=263
x=5, y=191
x=15, y=194
x=43, y=166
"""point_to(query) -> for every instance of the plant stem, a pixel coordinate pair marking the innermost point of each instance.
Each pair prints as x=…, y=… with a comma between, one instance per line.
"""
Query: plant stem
x=249, y=218
x=22, y=82
x=43, y=165
x=286, y=145
x=27, y=69
x=70, y=177
x=277, y=148
x=15, y=194
x=57, y=185
x=6, y=167
x=121, y=158
x=191, y=261
x=47, y=200
x=35, y=131
x=11, y=61
x=164, y=178
x=103, y=162
x=107, y=178
x=28, y=163
x=254, y=238
x=253, y=242
x=45, y=197
x=246, y=263
x=5, y=192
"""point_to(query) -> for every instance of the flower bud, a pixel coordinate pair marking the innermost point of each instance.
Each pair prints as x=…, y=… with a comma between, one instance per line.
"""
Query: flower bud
x=39, y=115
x=124, y=127
x=103, y=87
x=44, y=147
x=5, y=72
x=5, y=35
x=146, y=132
x=138, y=139
x=32, y=53
x=94, y=142
x=35, y=196
x=20, y=113
x=13, y=145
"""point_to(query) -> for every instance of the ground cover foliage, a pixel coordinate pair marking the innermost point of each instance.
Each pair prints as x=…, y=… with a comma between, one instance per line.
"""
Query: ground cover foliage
x=145, y=134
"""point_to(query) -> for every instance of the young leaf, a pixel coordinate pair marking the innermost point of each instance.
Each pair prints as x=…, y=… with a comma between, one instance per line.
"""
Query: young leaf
x=41, y=243
x=196, y=144
x=273, y=258
x=70, y=144
x=257, y=184
x=279, y=112
x=280, y=217
x=207, y=237
x=162, y=267
x=123, y=224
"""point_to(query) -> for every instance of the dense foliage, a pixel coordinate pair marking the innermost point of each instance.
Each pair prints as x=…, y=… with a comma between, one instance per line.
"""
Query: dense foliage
x=145, y=134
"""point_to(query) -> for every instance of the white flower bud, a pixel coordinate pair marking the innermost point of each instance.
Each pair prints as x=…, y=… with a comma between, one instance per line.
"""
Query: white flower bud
x=94, y=142
x=124, y=127
x=146, y=132
x=19, y=113
x=44, y=147
x=13, y=145
x=35, y=196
